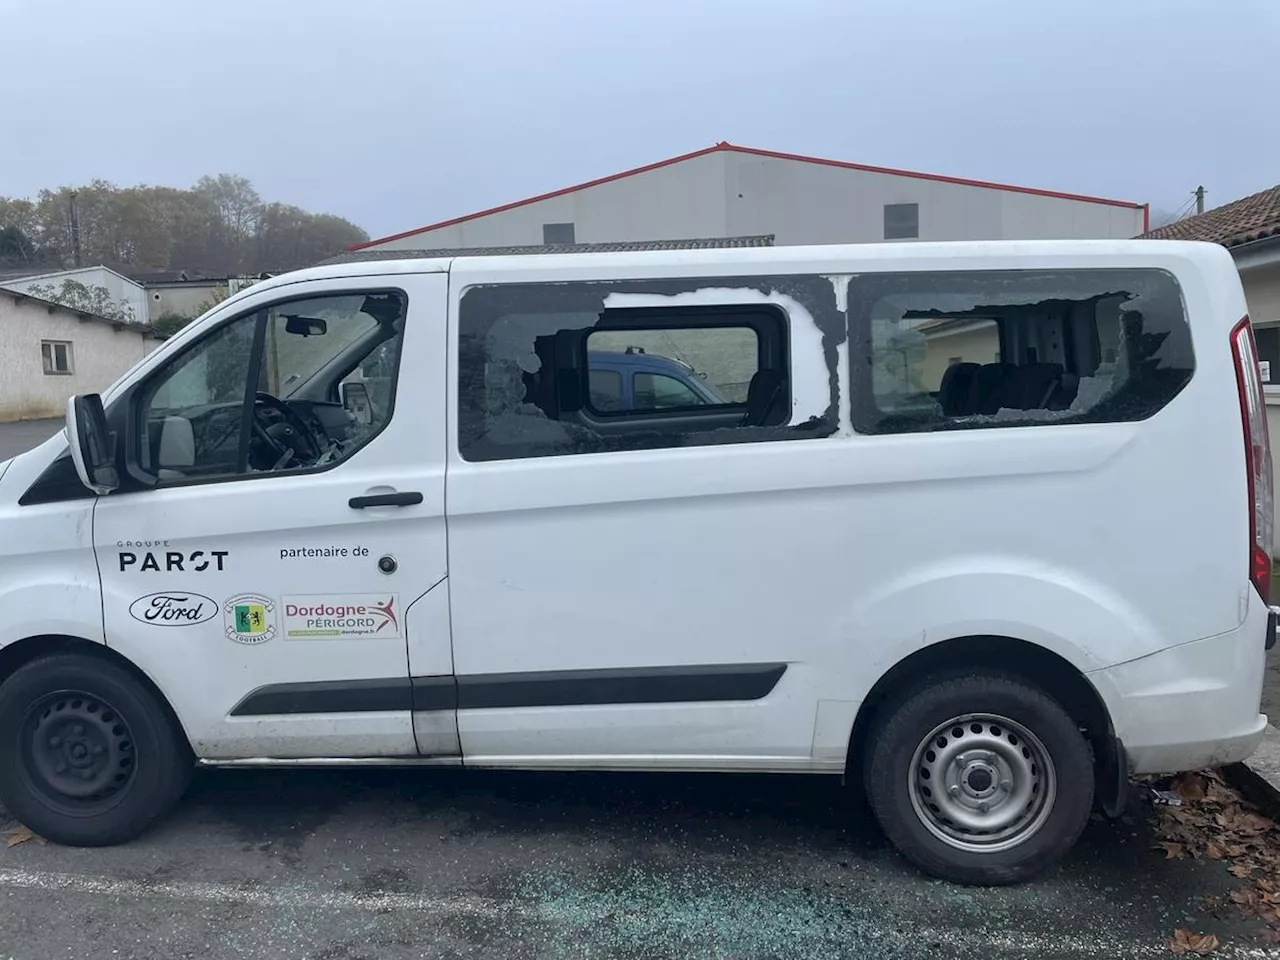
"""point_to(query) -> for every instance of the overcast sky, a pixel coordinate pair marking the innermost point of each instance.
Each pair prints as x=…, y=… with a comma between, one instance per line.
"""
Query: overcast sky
x=399, y=113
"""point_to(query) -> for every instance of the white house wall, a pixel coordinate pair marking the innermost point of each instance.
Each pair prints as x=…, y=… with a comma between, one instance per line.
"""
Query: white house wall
x=183, y=300
x=1262, y=292
x=100, y=354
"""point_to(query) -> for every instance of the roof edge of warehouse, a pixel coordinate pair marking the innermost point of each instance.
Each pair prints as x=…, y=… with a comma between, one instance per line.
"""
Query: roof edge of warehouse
x=725, y=146
x=359, y=255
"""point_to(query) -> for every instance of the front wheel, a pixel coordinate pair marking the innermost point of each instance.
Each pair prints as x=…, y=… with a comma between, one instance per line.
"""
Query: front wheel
x=980, y=778
x=88, y=754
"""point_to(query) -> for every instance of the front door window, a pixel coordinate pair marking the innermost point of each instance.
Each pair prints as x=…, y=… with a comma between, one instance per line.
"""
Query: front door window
x=261, y=393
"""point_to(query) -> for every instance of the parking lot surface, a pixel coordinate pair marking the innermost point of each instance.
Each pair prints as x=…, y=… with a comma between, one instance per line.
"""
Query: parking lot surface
x=16, y=438
x=370, y=864
x=345, y=865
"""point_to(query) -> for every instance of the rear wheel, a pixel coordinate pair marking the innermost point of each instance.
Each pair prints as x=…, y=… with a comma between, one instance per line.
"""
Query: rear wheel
x=980, y=778
x=88, y=754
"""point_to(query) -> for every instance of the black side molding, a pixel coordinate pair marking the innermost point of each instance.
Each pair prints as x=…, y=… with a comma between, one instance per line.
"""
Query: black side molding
x=564, y=688
x=327, y=696
x=553, y=688
x=435, y=693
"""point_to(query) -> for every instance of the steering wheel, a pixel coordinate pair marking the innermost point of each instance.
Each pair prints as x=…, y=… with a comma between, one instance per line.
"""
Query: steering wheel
x=291, y=441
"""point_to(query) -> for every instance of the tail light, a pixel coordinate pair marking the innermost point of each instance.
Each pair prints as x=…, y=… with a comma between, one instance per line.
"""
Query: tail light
x=1257, y=447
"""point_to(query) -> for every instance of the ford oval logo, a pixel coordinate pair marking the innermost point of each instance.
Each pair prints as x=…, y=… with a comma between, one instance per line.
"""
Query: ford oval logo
x=173, y=608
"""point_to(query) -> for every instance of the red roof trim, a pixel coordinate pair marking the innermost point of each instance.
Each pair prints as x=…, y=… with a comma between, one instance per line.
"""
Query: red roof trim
x=542, y=196
x=724, y=146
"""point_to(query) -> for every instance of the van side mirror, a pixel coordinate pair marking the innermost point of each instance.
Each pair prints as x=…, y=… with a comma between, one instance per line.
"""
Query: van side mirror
x=93, y=446
x=355, y=400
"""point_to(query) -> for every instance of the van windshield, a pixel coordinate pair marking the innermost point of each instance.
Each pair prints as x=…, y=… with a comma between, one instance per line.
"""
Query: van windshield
x=291, y=356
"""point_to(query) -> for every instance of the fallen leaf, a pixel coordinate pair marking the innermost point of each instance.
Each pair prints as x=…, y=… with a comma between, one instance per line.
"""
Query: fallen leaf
x=1218, y=793
x=1189, y=786
x=1204, y=944
x=21, y=835
x=1246, y=823
x=1243, y=898
x=1215, y=851
x=1240, y=870
x=1174, y=851
x=1185, y=942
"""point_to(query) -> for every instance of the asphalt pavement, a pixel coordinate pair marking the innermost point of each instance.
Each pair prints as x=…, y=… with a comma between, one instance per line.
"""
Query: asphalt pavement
x=16, y=438
x=372, y=864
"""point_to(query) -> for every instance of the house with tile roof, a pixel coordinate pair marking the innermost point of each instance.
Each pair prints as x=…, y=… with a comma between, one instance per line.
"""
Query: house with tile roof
x=727, y=191
x=1250, y=229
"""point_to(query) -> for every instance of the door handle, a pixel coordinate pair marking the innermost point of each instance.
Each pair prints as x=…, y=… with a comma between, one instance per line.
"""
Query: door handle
x=406, y=499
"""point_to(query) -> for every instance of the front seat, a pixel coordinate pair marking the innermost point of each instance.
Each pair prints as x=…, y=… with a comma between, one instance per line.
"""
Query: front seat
x=765, y=399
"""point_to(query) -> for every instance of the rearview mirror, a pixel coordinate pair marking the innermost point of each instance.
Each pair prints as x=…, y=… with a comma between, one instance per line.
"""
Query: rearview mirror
x=93, y=446
x=305, y=326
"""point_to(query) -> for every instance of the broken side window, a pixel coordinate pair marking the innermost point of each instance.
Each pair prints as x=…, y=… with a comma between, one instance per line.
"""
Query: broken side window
x=571, y=368
x=936, y=351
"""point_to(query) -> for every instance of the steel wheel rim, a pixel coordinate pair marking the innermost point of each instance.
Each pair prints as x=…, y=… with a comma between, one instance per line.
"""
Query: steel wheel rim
x=78, y=752
x=982, y=783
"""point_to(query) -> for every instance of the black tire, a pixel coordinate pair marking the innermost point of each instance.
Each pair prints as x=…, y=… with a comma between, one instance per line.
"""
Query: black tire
x=89, y=755
x=893, y=776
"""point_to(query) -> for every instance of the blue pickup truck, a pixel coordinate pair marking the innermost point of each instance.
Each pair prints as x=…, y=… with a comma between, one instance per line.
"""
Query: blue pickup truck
x=632, y=382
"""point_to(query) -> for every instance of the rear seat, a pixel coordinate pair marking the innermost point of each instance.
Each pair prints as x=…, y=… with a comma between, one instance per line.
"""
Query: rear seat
x=956, y=388
x=967, y=388
x=989, y=385
x=1029, y=387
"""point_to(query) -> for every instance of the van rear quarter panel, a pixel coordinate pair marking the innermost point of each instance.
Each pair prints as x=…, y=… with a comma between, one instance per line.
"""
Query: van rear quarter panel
x=841, y=556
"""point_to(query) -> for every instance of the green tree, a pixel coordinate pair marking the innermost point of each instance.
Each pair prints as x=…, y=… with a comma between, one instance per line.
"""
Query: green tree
x=170, y=323
x=16, y=247
x=87, y=299
x=20, y=214
x=289, y=237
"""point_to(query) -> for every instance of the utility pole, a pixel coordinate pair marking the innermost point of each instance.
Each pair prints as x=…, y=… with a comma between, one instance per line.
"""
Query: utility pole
x=75, y=230
x=1200, y=199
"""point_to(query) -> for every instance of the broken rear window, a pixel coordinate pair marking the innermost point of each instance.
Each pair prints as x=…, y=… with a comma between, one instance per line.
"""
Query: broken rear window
x=945, y=351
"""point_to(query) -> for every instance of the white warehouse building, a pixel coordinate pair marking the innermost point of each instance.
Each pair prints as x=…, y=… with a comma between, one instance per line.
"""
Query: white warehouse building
x=727, y=191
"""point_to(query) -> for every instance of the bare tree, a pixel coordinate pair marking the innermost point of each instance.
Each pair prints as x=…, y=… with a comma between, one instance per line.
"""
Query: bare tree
x=219, y=227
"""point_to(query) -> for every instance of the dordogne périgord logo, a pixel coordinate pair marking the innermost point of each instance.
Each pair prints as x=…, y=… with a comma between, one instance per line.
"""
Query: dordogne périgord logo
x=350, y=616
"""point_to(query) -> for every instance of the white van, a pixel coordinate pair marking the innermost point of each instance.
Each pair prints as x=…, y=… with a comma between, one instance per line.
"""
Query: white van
x=983, y=525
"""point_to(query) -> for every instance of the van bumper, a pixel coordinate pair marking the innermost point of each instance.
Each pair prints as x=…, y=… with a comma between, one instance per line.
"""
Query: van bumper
x=1194, y=705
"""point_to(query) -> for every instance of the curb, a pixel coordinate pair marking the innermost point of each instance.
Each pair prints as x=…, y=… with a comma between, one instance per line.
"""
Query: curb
x=1258, y=777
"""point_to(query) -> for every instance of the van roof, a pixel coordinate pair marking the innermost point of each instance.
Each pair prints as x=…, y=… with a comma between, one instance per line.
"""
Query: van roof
x=825, y=259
